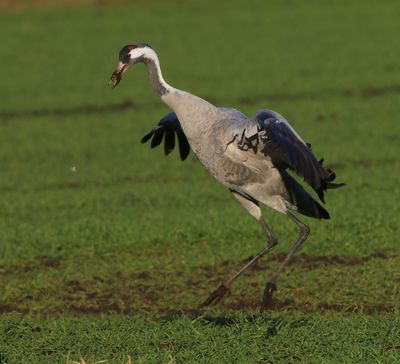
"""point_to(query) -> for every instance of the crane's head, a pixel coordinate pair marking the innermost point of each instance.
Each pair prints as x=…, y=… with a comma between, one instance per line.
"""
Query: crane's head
x=128, y=56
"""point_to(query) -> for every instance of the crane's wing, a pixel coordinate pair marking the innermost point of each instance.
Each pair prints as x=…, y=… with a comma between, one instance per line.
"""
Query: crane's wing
x=270, y=134
x=168, y=126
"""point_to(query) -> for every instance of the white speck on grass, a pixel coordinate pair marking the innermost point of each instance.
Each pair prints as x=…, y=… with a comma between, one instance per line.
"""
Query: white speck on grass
x=73, y=169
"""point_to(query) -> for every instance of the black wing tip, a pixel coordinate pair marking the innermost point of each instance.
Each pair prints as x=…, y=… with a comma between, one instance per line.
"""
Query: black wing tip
x=324, y=215
x=169, y=141
x=320, y=193
x=147, y=137
x=328, y=181
x=184, y=154
x=184, y=146
x=166, y=129
x=335, y=185
x=320, y=212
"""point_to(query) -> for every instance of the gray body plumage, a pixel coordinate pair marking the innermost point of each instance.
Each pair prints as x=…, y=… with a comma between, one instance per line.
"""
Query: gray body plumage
x=214, y=135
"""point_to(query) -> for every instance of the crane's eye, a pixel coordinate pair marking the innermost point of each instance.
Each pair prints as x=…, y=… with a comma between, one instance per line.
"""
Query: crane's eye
x=126, y=59
x=124, y=55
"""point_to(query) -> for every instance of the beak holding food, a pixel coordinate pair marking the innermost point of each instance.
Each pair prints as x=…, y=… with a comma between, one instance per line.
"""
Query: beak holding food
x=117, y=74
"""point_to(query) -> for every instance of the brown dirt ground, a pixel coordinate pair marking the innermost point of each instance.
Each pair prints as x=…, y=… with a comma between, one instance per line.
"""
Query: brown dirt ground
x=97, y=295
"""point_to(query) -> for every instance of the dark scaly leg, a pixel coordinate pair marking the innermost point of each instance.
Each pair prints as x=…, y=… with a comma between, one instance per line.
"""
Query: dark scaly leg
x=253, y=208
x=271, y=285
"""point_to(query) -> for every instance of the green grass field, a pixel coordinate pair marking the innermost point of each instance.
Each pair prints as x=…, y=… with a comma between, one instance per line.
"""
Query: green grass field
x=112, y=259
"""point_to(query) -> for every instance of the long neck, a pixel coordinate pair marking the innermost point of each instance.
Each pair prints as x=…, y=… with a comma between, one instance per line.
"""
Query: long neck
x=182, y=102
x=157, y=81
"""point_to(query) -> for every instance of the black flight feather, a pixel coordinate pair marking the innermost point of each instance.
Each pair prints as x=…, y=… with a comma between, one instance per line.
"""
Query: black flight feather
x=169, y=143
x=288, y=151
x=168, y=126
x=158, y=137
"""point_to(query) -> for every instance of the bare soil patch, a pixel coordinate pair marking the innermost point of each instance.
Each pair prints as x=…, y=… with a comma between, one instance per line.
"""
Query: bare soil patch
x=238, y=305
x=307, y=307
x=306, y=261
x=142, y=291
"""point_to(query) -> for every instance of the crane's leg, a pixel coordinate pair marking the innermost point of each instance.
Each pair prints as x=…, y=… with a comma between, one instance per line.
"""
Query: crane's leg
x=253, y=208
x=271, y=285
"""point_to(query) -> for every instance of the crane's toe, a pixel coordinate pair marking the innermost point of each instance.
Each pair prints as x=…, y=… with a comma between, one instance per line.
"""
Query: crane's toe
x=215, y=296
x=270, y=288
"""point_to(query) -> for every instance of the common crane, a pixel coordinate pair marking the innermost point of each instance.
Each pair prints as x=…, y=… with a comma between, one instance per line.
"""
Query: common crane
x=250, y=156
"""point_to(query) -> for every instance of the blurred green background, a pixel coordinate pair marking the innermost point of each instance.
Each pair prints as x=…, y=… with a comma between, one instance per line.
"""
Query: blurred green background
x=107, y=247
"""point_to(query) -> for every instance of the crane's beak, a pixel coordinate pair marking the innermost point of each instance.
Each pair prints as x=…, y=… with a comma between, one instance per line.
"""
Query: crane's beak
x=117, y=74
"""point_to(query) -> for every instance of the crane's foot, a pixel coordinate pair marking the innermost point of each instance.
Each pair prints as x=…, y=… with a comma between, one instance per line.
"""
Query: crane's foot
x=267, y=304
x=215, y=296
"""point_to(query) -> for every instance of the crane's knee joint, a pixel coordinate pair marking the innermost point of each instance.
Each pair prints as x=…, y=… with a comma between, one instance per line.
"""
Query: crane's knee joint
x=305, y=231
x=273, y=241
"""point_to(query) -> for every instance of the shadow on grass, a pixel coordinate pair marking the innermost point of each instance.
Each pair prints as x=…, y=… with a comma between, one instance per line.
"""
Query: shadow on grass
x=230, y=320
